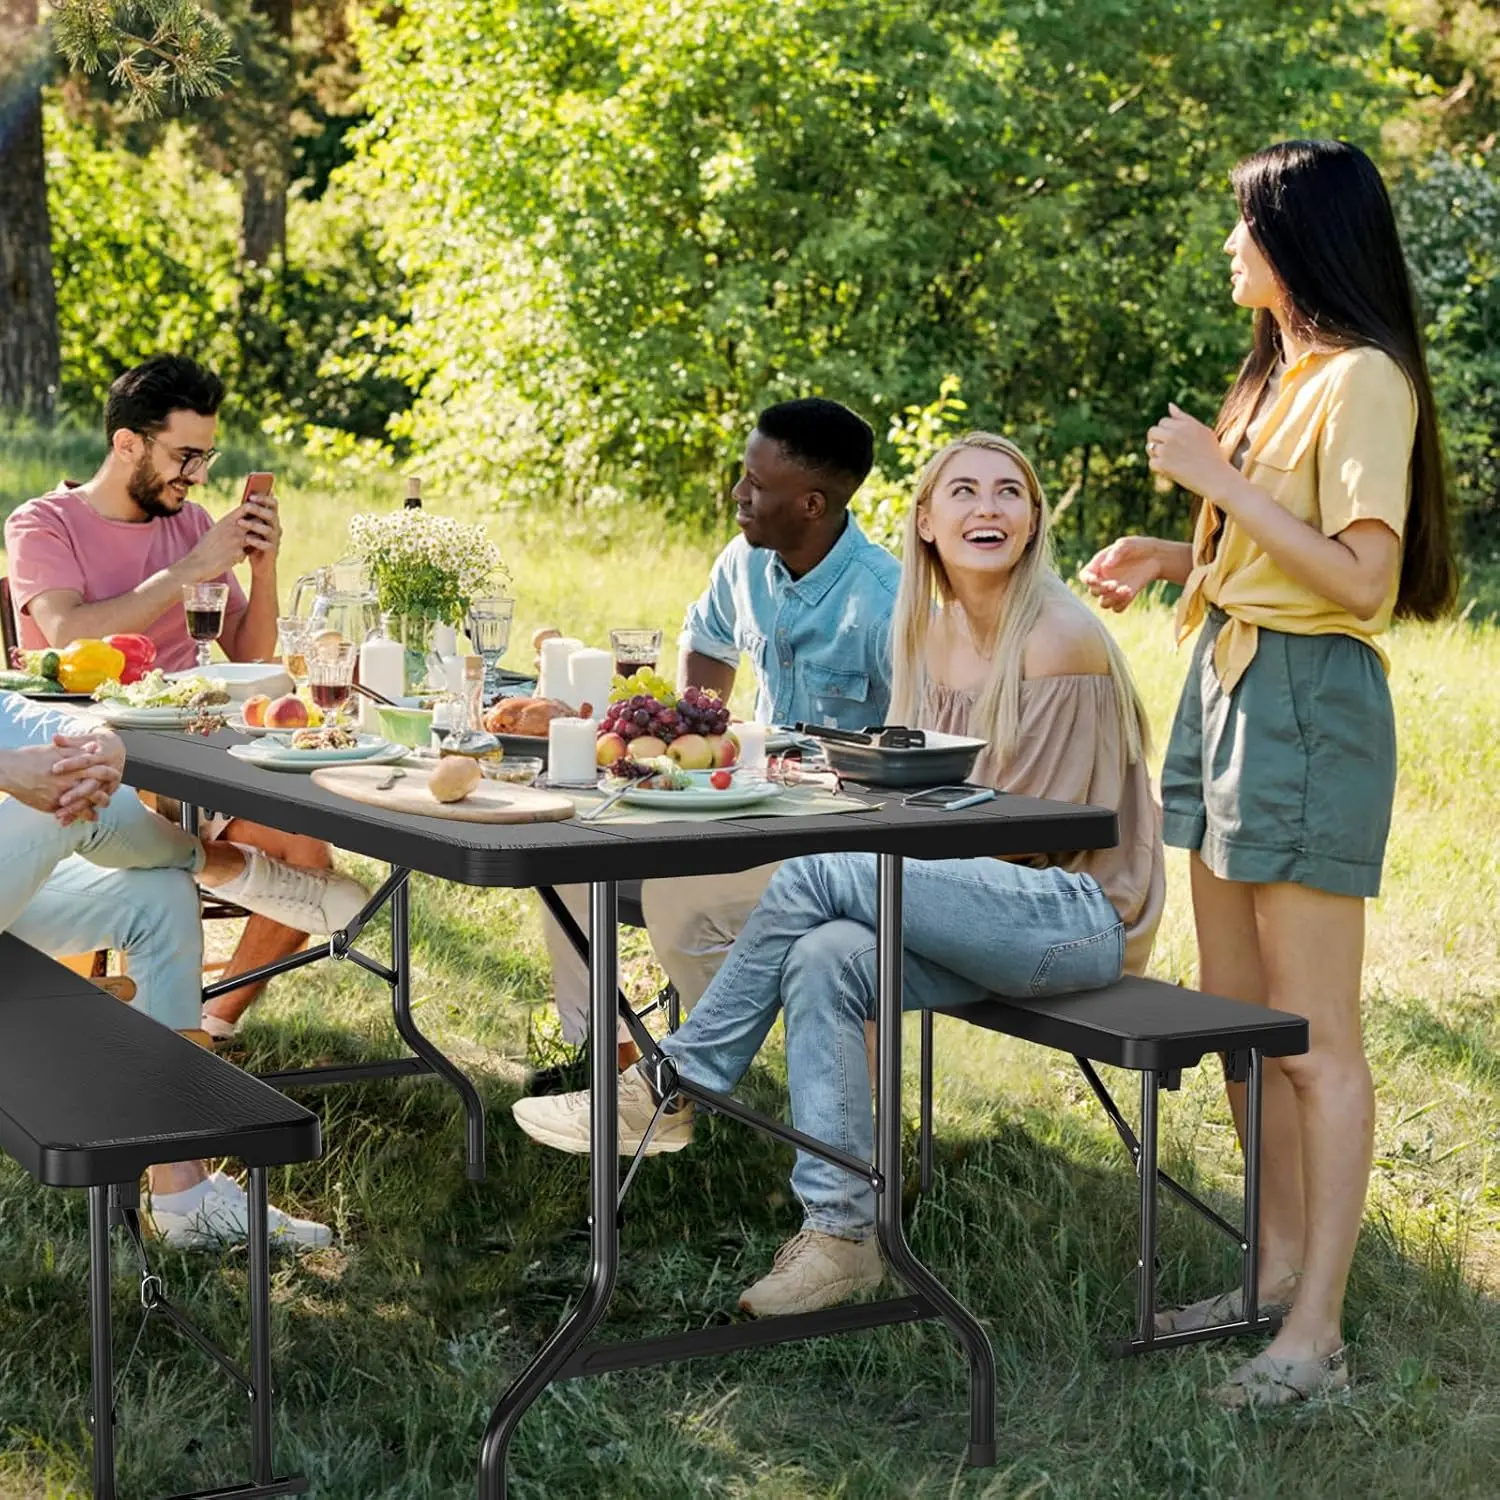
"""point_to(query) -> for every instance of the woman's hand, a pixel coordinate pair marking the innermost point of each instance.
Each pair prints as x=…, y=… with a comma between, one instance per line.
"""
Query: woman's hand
x=1118, y=573
x=1182, y=449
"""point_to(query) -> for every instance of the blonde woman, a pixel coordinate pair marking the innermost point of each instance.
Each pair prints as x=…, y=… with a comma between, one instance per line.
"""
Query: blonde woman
x=986, y=639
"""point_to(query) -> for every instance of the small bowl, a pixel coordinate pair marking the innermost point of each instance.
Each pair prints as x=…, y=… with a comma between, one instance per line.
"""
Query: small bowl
x=411, y=727
x=519, y=770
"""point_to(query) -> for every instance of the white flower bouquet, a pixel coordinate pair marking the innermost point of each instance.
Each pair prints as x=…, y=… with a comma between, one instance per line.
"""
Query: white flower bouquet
x=424, y=566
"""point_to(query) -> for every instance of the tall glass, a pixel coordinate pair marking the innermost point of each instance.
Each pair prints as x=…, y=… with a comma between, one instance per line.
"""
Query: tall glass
x=291, y=631
x=203, y=604
x=330, y=670
x=635, y=649
x=489, y=633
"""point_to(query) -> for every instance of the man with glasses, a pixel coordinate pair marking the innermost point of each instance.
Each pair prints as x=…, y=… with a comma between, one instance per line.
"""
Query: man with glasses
x=110, y=556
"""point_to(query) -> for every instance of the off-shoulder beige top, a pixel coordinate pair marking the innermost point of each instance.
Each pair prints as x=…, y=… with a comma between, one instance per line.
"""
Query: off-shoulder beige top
x=1070, y=748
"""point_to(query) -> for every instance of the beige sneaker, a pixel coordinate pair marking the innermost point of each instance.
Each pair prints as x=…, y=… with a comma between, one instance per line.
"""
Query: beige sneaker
x=815, y=1270
x=562, y=1120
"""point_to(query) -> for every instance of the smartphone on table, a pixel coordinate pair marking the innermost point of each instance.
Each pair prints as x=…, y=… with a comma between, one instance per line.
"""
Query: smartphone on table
x=950, y=798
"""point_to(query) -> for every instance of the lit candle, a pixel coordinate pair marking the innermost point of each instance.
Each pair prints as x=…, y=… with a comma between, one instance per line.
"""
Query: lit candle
x=752, y=738
x=589, y=673
x=554, y=681
x=570, y=752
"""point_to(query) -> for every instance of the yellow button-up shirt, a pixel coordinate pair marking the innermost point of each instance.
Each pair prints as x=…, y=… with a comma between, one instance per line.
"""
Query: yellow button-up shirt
x=1334, y=447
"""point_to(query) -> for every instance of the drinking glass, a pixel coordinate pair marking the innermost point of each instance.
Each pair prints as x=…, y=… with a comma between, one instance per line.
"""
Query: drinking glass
x=203, y=604
x=331, y=673
x=292, y=631
x=489, y=633
x=635, y=649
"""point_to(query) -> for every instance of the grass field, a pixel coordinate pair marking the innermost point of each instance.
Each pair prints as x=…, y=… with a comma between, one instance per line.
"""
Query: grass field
x=392, y=1347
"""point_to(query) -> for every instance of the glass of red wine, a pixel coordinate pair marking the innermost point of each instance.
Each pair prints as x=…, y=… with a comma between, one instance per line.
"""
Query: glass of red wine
x=330, y=673
x=635, y=649
x=203, y=604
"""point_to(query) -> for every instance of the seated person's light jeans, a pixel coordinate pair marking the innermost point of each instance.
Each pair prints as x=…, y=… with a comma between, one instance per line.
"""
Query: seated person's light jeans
x=123, y=882
x=972, y=927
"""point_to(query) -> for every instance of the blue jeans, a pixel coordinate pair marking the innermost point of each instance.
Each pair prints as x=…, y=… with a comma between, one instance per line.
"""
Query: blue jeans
x=123, y=881
x=971, y=927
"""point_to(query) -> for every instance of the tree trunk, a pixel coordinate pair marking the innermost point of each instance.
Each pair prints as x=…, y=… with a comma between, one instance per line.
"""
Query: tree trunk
x=263, y=204
x=29, y=361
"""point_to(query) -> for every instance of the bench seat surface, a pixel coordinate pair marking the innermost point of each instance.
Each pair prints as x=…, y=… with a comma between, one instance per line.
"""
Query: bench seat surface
x=93, y=1091
x=1145, y=1024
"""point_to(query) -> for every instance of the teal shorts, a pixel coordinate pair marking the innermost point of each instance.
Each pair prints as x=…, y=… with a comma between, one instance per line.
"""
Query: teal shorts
x=1291, y=776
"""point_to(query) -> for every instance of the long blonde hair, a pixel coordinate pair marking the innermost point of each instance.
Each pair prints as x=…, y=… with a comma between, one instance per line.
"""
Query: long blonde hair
x=1034, y=582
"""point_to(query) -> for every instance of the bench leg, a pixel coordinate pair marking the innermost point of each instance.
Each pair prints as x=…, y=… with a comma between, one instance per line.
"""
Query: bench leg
x=101, y=1358
x=261, y=1468
x=924, y=1117
x=1250, y=1244
x=1145, y=1271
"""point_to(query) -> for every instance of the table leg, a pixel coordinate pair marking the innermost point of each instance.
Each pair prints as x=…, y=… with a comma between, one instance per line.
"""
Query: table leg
x=898, y=1254
x=440, y=1064
x=102, y=1403
x=604, y=1222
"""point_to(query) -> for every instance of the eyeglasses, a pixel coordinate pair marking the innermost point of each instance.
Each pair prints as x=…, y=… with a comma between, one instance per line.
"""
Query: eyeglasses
x=189, y=460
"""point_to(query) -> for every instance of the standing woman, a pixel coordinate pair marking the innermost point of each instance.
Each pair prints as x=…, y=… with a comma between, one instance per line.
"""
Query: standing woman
x=1323, y=516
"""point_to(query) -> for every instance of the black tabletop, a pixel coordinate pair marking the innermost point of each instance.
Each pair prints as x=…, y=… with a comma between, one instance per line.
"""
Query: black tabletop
x=196, y=769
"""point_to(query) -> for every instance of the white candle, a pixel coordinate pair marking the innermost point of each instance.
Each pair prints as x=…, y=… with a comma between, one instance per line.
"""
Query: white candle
x=570, y=752
x=589, y=674
x=752, y=738
x=554, y=681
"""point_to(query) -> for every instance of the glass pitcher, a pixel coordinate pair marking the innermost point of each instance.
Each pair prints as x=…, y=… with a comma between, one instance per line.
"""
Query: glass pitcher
x=338, y=598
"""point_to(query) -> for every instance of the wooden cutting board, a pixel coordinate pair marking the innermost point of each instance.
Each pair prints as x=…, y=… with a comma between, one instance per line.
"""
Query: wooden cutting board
x=489, y=802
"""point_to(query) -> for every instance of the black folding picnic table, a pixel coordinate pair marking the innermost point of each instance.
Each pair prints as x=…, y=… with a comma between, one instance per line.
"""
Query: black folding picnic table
x=196, y=769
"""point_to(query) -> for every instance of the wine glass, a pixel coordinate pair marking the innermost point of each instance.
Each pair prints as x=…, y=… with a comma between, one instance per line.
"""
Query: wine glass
x=292, y=631
x=635, y=649
x=203, y=604
x=489, y=633
x=330, y=670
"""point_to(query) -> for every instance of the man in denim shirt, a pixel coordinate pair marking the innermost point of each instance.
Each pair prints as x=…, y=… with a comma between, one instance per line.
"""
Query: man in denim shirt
x=809, y=598
x=801, y=591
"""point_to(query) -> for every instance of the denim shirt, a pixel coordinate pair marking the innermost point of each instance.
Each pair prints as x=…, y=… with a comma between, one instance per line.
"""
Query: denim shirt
x=819, y=644
x=23, y=722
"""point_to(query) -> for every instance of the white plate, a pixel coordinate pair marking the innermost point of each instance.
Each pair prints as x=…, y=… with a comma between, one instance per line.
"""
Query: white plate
x=116, y=712
x=274, y=753
x=242, y=679
x=739, y=793
x=237, y=723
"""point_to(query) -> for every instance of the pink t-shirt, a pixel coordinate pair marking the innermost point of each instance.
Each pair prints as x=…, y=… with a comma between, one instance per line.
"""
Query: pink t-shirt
x=61, y=542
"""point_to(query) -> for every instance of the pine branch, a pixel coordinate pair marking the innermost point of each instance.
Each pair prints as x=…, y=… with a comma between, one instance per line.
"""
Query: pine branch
x=154, y=49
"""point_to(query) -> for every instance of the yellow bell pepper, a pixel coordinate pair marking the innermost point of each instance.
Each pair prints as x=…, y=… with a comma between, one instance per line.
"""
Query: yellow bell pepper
x=83, y=665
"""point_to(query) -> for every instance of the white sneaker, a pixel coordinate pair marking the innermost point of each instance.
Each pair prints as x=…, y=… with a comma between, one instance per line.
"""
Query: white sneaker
x=217, y=1213
x=317, y=901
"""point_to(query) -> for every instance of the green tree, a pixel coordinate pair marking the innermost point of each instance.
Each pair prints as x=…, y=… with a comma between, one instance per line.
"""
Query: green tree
x=632, y=222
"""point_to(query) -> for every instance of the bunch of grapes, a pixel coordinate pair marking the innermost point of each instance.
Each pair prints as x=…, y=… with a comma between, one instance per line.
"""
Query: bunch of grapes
x=701, y=712
x=644, y=714
x=643, y=682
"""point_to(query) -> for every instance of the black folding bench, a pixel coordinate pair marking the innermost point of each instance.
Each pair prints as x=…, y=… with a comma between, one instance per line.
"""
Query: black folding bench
x=92, y=1093
x=1157, y=1030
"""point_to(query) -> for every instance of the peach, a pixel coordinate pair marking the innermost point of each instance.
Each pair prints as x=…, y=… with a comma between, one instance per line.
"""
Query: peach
x=608, y=749
x=288, y=712
x=692, y=752
x=254, y=710
x=647, y=747
x=726, y=749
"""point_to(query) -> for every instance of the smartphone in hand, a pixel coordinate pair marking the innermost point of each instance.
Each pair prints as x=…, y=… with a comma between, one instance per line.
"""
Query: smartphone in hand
x=258, y=486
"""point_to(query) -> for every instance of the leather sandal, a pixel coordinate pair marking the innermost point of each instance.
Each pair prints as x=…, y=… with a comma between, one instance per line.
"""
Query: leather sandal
x=1227, y=1307
x=1265, y=1381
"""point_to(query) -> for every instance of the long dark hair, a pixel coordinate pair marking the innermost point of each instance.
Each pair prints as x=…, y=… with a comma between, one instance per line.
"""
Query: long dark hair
x=1320, y=214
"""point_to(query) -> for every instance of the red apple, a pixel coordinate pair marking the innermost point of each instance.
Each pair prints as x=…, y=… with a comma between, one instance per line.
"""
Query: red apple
x=692, y=752
x=726, y=749
x=254, y=710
